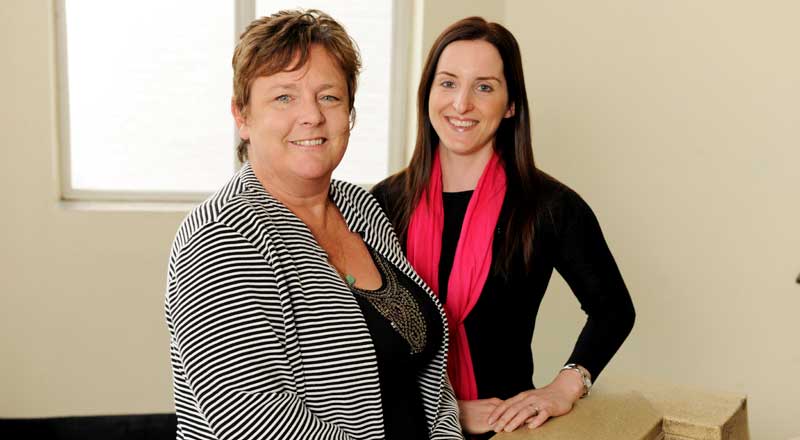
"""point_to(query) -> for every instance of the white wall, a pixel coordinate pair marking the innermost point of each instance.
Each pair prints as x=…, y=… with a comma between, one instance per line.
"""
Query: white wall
x=678, y=123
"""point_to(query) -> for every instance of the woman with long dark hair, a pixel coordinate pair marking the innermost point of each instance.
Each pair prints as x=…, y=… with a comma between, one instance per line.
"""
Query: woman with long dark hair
x=485, y=229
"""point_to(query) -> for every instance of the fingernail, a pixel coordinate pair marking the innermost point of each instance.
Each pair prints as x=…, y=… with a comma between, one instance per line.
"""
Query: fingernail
x=530, y=425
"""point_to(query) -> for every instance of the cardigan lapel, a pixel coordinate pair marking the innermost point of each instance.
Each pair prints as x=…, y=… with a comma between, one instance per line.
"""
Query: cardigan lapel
x=363, y=216
x=348, y=207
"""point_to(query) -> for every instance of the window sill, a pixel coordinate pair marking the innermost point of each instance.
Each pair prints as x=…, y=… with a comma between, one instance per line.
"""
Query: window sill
x=126, y=206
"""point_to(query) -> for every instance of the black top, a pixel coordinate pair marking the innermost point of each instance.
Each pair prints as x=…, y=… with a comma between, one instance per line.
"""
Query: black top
x=406, y=330
x=455, y=208
x=500, y=327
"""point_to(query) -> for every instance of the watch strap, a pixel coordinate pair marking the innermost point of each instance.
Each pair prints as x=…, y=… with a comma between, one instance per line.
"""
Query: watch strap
x=586, y=377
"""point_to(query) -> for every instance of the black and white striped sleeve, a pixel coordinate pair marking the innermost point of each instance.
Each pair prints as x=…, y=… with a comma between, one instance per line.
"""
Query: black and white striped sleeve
x=227, y=323
x=449, y=425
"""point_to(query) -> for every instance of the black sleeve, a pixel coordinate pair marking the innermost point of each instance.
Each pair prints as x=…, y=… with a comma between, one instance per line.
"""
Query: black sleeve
x=586, y=264
x=388, y=194
x=379, y=191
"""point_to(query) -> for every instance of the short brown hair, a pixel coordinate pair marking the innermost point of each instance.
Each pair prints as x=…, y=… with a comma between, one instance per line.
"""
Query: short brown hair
x=271, y=44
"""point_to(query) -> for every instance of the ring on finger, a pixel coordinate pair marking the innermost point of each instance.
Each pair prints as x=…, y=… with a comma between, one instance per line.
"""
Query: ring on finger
x=535, y=410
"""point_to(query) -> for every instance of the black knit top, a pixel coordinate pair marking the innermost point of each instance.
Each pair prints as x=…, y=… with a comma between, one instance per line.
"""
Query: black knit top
x=500, y=327
x=406, y=329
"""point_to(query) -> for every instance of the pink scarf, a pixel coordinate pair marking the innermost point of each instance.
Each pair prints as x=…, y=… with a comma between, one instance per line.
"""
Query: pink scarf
x=472, y=260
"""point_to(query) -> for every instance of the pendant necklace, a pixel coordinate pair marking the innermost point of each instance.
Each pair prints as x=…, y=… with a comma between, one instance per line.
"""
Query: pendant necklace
x=348, y=278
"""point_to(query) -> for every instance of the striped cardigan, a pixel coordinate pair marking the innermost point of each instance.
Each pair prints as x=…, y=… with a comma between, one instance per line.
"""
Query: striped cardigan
x=267, y=341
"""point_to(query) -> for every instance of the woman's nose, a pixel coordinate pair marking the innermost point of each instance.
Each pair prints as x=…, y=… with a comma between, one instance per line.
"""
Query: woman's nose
x=311, y=113
x=462, y=102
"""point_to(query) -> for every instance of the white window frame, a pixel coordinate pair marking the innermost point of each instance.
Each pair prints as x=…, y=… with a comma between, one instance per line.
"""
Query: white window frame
x=244, y=14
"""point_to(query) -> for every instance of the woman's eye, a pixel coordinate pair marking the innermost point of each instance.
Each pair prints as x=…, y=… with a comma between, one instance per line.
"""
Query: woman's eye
x=283, y=99
x=448, y=84
x=329, y=98
x=485, y=88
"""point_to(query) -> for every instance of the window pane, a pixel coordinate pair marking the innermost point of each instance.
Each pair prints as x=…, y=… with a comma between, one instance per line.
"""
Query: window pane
x=149, y=94
x=369, y=22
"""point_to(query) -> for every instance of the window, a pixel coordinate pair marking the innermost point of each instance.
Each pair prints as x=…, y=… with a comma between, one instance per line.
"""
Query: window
x=145, y=94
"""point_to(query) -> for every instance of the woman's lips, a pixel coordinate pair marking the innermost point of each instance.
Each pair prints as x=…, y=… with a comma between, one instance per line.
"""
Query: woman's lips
x=313, y=142
x=461, y=125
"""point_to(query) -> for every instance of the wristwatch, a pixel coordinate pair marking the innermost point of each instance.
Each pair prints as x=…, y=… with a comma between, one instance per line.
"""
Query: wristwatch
x=586, y=377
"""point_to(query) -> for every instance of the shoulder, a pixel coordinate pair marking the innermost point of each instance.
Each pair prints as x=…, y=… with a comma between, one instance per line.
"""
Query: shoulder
x=558, y=193
x=355, y=194
x=388, y=191
x=366, y=215
x=559, y=204
x=389, y=185
x=358, y=199
x=225, y=210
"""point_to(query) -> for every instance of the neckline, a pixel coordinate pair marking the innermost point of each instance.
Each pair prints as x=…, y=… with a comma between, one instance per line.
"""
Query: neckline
x=381, y=266
x=458, y=193
x=457, y=198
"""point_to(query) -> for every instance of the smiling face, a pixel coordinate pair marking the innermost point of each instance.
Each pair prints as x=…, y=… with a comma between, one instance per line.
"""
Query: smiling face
x=469, y=97
x=297, y=122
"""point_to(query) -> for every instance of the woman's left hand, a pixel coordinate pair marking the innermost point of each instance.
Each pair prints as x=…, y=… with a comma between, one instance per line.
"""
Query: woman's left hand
x=534, y=407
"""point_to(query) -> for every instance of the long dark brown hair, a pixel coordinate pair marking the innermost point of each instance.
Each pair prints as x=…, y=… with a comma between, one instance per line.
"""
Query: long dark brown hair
x=512, y=142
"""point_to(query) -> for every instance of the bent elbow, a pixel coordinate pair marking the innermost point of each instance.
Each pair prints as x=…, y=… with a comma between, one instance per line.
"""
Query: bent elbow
x=627, y=317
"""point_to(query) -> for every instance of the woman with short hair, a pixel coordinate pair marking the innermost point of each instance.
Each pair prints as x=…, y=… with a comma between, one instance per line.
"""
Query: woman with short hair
x=292, y=311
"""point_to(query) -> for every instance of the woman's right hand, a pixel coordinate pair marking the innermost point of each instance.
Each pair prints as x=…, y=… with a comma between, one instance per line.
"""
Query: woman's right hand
x=474, y=414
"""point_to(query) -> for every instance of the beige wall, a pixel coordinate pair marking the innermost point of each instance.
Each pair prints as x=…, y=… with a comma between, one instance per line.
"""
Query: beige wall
x=81, y=297
x=678, y=122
